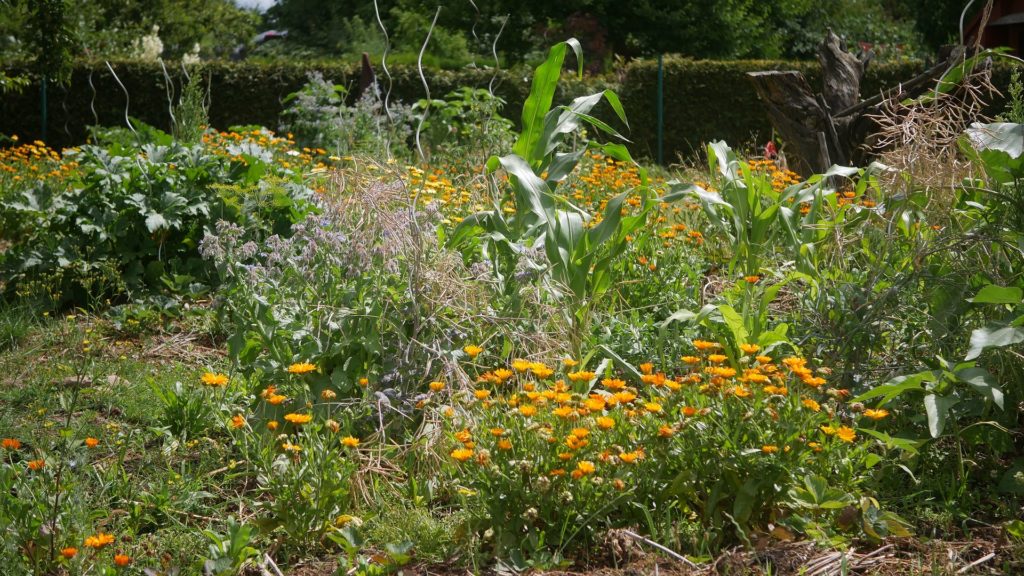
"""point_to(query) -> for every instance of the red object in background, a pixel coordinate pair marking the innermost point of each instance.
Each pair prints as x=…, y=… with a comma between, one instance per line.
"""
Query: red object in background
x=770, y=151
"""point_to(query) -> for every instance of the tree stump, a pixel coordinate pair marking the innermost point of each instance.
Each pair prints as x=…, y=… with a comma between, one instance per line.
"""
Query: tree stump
x=806, y=121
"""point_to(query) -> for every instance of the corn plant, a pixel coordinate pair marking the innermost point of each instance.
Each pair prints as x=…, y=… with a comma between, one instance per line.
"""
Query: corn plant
x=580, y=248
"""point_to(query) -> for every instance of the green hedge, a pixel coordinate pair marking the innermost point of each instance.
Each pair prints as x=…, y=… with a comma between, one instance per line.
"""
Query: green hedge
x=242, y=93
x=704, y=100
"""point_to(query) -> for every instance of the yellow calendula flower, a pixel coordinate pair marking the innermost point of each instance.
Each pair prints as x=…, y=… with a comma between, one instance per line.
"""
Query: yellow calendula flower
x=472, y=351
x=527, y=410
x=810, y=404
x=629, y=457
x=653, y=407
x=769, y=449
x=569, y=363
x=462, y=454
x=586, y=467
x=846, y=434
x=298, y=419
x=350, y=441
x=876, y=414
x=214, y=380
x=437, y=386
x=301, y=368
x=481, y=394
x=605, y=423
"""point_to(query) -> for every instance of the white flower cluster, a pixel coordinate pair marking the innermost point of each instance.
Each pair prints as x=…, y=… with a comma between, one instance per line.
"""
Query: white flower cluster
x=149, y=47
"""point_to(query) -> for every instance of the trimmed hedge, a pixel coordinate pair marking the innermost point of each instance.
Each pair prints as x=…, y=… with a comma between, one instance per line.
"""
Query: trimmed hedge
x=704, y=100
x=714, y=100
x=242, y=93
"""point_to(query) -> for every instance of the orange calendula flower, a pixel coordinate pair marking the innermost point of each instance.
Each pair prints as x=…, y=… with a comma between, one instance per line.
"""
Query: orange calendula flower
x=752, y=279
x=69, y=552
x=666, y=431
x=497, y=431
x=436, y=386
x=527, y=410
x=481, y=394
x=472, y=351
x=595, y=404
x=36, y=465
x=121, y=560
x=364, y=382
x=462, y=454
x=298, y=419
x=328, y=395
x=769, y=449
x=276, y=399
x=580, y=432
x=99, y=540
x=646, y=368
x=301, y=368
x=502, y=374
x=846, y=434
x=810, y=404
x=272, y=425
x=581, y=376
x=214, y=380
x=91, y=442
x=569, y=362
x=691, y=359
x=749, y=348
x=717, y=358
x=237, y=421
x=605, y=423
x=504, y=444
x=629, y=457
x=876, y=414
x=689, y=411
x=703, y=345
x=350, y=441
x=613, y=383
x=586, y=467
x=563, y=412
x=10, y=444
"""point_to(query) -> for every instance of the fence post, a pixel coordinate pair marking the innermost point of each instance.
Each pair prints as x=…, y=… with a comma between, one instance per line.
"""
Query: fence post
x=661, y=111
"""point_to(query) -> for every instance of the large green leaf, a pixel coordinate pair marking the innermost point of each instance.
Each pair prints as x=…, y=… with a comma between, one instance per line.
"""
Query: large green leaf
x=984, y=383
x=993, y=336
x=992, y=294
x=898, y=386
x=937, y=407
x=542, y=92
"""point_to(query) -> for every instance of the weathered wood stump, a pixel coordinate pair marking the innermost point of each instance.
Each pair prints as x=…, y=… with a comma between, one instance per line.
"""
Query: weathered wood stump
x=807, y=121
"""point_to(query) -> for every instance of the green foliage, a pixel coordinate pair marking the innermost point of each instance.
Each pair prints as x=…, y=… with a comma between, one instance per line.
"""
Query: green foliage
x=229, y=552
x=191, y=114
x=580, y=255
x=465, y=125
x=319, y=117
x=139, y=213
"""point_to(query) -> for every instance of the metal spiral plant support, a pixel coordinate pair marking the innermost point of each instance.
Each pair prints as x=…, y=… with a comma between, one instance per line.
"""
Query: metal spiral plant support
x=494, y=51
x=472, y=30
x=92, y=101
x=170, y=93
x=127, y=98
x=384, y=60
x=426, y=88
